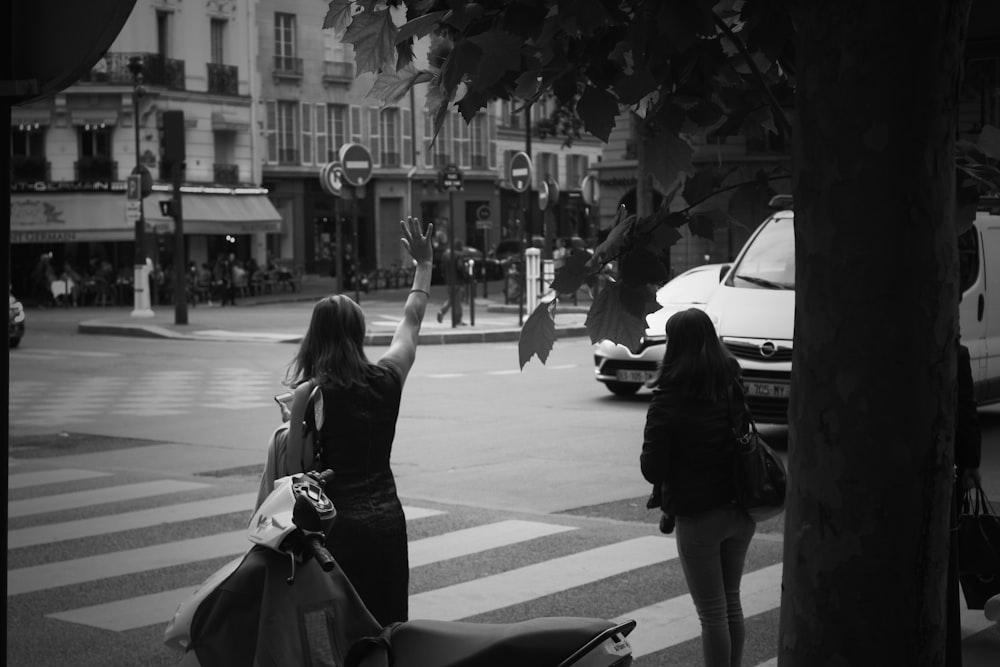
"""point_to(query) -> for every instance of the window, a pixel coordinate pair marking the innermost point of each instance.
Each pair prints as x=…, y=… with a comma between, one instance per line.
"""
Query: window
x=460, y=141
x=510, y=116
x=391, y=138
x=28, y=161
x=322, y=147
x=338, y=128
x=480, y=142
x=374, y=136
x=357, y=134
x=163, y=33
x=547, y=168
x=438, y=155
x=307, y=135
x=95, y=162
x=284, y=42
x=271, y=130
x=218, y=44
x=576, y=169
x=287, y=131
x=407, y=147
x=334, y=50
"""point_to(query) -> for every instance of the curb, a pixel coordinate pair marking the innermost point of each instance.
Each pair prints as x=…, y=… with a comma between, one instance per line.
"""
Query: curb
x=375, y=340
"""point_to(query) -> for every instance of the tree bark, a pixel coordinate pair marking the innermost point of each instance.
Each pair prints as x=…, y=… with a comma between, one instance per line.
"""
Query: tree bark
x=876, y=327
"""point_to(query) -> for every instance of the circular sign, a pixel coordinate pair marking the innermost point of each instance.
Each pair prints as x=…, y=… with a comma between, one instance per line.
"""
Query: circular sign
x=331, y=177
x=590, y=190
x=543, y=195
x=483, y=212
x=357, y=164
x=520, y=171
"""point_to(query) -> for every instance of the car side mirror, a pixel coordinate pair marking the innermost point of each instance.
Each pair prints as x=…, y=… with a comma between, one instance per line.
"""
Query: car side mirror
x=723, y=270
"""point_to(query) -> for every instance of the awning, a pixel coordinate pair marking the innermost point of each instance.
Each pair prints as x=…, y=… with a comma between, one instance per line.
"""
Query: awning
x=218, y=214
x=230, y=120
x=68, y=218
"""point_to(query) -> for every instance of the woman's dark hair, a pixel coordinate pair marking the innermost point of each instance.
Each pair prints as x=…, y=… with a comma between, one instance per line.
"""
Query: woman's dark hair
x=695, y=361
x=332, y=351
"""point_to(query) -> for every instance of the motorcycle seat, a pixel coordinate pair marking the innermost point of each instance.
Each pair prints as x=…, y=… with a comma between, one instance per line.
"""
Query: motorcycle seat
x=541, y=642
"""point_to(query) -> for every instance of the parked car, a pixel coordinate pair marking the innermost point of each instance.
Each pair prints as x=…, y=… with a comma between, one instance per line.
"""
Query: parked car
x=624, y=371
x=15, y=323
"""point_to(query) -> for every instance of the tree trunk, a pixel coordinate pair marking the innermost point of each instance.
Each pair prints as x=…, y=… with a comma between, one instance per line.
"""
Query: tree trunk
x=876, y=325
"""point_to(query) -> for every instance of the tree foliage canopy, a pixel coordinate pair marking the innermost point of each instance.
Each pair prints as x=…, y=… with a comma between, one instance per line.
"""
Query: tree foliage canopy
x=690, y=70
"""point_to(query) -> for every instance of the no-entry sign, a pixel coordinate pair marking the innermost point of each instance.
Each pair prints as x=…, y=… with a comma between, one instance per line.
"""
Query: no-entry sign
x=520, y=171
x=357, y=164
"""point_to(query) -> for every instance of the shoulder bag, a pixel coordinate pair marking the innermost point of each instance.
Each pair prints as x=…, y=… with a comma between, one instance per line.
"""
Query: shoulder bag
x=759, y=473
x=978, y=548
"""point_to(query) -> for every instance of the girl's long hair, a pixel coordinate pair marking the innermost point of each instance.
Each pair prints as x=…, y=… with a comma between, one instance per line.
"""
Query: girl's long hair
x=332, y=351
x=695, y=361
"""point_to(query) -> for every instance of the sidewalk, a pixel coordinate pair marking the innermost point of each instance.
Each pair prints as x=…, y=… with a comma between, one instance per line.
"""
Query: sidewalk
x=284, y=316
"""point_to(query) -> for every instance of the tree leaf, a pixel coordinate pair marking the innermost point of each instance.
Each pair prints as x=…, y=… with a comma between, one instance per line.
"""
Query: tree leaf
x=582, y=17
x=700, y=185
x=608, y=319
x=391, y=85
x=640, y=266
x=464, y=59
x=504, y=55
x=538, y=335
x=572, y=274
x=338, y=16
x=616, y=240
x=667, y=157
x=598, y=109
x=420, y=26
x=373, y=36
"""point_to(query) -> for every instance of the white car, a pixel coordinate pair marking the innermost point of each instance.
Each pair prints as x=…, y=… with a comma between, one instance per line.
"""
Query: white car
x=623, y=371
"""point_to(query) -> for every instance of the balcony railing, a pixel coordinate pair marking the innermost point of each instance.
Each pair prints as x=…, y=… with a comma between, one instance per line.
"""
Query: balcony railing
x=391, y=160
x=226, y=174
x=338, y=72
x=288, y=156
x=287, y=66
x=223, y=79
x=157, y=70
x=29, y=169
x=96, y=169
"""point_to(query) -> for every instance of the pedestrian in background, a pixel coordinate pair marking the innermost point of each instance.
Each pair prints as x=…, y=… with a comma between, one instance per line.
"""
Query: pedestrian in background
x=360, y=407
x=456, y=275
x=689, y=447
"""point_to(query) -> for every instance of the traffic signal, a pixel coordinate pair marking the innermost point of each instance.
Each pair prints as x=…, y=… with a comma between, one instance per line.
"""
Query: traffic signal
x=173, y=137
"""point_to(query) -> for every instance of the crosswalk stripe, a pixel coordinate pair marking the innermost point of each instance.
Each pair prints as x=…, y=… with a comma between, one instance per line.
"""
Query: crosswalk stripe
x=533, y=581
x=674, y=621
x=40, y=477
x=116, y=523
x=412, y=513
x=129, y=561
x=480, y=538
x=146, y=610
x=110, y=494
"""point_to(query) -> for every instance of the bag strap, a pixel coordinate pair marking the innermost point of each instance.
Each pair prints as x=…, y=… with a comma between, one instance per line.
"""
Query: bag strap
x=741, y=423
x=304, y=427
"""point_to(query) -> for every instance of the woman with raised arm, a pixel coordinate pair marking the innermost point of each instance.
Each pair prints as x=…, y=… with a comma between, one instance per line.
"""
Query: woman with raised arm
x=360, y=405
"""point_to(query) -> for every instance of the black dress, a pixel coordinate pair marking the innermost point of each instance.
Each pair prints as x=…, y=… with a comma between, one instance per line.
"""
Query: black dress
x=368, y=538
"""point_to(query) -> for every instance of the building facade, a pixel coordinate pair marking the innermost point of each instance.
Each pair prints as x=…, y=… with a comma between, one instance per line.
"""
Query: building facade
x=311, y=105
x=72, y=154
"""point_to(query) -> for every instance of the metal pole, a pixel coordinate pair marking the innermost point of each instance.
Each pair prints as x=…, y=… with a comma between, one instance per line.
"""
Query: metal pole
x=355, y=253
x=141, y=298
x=529, y=216
x=180, y=274
x=451, y=274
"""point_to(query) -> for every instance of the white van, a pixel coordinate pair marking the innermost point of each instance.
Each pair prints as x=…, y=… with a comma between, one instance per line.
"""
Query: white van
x=754, y=311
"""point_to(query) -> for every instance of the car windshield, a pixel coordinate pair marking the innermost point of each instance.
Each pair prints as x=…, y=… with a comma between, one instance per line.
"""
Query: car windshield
x=693, y=287
x=769, y=262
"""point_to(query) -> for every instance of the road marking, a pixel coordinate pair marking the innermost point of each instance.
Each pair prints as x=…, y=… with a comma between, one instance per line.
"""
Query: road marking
x=154, y=608
x=674, y=621
x=439, y=376
x=534, y=581
x=480, y=538
x=111, y=494
x=130, y=561
x=40, y=477
x=116, y=523
x=511, y=371
x=561, y=367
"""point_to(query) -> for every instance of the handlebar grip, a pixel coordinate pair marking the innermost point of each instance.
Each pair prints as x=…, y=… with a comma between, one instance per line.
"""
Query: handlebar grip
x=323, y=478
x=315, y=547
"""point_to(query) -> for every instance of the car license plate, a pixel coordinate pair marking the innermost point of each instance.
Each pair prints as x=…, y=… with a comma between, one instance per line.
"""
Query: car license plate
x=767, y=389
x=635, y=376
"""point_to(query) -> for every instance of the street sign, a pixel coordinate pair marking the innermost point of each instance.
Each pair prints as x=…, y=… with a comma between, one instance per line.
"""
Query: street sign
x=451, y=178
x=590, y=190
x=543, y=195
x=331, y=178
x=133, y=187
x=484, y=224
x=483, y=212
x=132, y=209
x=520, y=171
x=357, y=164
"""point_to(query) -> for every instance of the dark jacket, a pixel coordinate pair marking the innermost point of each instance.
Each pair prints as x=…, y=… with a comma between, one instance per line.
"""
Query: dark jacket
x=688, y=444
x=968, y=437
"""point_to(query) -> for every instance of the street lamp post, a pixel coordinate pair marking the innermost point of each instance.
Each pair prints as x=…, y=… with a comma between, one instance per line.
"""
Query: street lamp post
x=141, y=304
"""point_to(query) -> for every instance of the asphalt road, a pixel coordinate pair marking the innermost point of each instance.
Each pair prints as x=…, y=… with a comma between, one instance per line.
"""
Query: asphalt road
x=131, y=461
